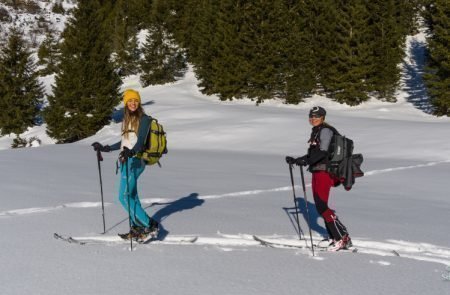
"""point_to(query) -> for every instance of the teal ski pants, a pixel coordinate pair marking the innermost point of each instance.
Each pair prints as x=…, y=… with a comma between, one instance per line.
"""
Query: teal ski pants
x=137, y=214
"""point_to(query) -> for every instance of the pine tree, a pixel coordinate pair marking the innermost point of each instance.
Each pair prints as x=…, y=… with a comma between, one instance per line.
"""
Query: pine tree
x=123, y=27
x=346, y=77
x=21, y=93
x=390, y=21
x=321, y=21
x=298, y=77
x=229, y=70
x=164, y=61
x=201, y=40
x=126, y=51
x=261, y=40
x=438, y=71
x=86, y=85
x=58, y=8
x=48, y=55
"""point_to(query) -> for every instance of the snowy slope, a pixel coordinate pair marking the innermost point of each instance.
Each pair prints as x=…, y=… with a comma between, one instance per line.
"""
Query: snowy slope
x=224, y=180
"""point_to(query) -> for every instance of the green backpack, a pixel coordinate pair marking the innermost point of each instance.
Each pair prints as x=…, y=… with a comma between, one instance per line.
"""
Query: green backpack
x=155, y=144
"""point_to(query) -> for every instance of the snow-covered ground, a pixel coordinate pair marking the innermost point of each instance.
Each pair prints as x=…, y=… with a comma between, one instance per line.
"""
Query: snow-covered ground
x=224, y=180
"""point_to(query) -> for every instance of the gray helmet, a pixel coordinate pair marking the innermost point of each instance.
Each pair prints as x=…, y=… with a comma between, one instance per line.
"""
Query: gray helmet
x=317, y=112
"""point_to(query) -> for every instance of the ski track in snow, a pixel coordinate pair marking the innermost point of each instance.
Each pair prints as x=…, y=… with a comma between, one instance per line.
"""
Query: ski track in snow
x=50, y=209
x=84, y=205
x=416, y=251
x=375, y=172
x=232, y=242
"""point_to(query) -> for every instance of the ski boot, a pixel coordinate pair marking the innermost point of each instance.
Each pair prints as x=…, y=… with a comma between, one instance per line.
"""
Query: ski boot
x=343, y=244
x=145, y=232
x=153, y=228
x=134, y=233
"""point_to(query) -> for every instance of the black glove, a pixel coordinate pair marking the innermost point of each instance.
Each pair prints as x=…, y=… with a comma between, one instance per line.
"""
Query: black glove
x=302, y=161
x=125, y=154
x=99, y=147
x=290, y=160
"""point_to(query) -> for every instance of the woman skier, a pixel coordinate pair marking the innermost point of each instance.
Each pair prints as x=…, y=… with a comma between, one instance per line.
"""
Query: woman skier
x=135, y=126
x=322, y=181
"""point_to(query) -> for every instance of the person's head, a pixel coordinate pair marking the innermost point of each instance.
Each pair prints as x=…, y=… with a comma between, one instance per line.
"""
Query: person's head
x=317, y=116
x=131, y=100
x=132, y=111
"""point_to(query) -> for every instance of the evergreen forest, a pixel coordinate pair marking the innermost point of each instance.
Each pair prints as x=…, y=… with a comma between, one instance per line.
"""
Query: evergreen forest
x=348, y=51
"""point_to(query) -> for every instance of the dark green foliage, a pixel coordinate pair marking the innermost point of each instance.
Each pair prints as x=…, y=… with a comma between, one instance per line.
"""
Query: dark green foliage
x=229, y=68
x=348, y=50
x=345, y=78
x=127, y=56
x=20, y=91
x=284, y=49
x=386, y=41
x=163, y=61
x=4, y=15
x=48, y=55
x=199, y=18
x=242, y=49
x=87, y=86
x=19, y=142
x=298, y=74
x=122, y=25
x=58, y=8
x=438, y=71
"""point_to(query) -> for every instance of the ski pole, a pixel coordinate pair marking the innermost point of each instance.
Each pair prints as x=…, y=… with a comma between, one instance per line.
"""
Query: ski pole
x=307, y=211
x=295, y=203
x=99, y=159
x=129, y=205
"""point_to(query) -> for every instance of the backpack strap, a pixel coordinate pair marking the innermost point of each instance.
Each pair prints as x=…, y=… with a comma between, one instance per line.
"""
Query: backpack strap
x=325, y=125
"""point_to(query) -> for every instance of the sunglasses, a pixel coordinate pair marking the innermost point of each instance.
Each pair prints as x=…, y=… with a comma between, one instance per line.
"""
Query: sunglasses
x=315, y=116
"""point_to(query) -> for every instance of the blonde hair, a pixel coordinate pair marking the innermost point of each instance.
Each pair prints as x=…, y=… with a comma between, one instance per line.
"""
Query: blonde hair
x=131, y=120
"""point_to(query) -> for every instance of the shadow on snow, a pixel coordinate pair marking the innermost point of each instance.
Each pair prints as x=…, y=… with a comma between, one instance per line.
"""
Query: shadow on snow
x=314, y=218
x=185, y=203
x=414, y=84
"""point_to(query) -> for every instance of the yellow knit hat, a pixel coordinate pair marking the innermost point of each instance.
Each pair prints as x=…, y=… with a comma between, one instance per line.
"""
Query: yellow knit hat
x=131, y=94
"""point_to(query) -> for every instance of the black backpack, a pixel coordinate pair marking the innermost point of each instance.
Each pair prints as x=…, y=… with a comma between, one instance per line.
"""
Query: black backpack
x=342, y=163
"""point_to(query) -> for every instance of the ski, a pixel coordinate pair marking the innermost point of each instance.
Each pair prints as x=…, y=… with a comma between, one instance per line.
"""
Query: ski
x=299, y=244
x=115, y=239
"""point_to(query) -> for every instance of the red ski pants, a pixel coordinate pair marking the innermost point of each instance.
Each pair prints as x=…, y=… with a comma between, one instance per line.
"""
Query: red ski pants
x=321, y=185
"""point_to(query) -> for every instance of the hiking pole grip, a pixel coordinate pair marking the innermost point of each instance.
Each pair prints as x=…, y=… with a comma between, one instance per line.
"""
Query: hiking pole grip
x=307, y=211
